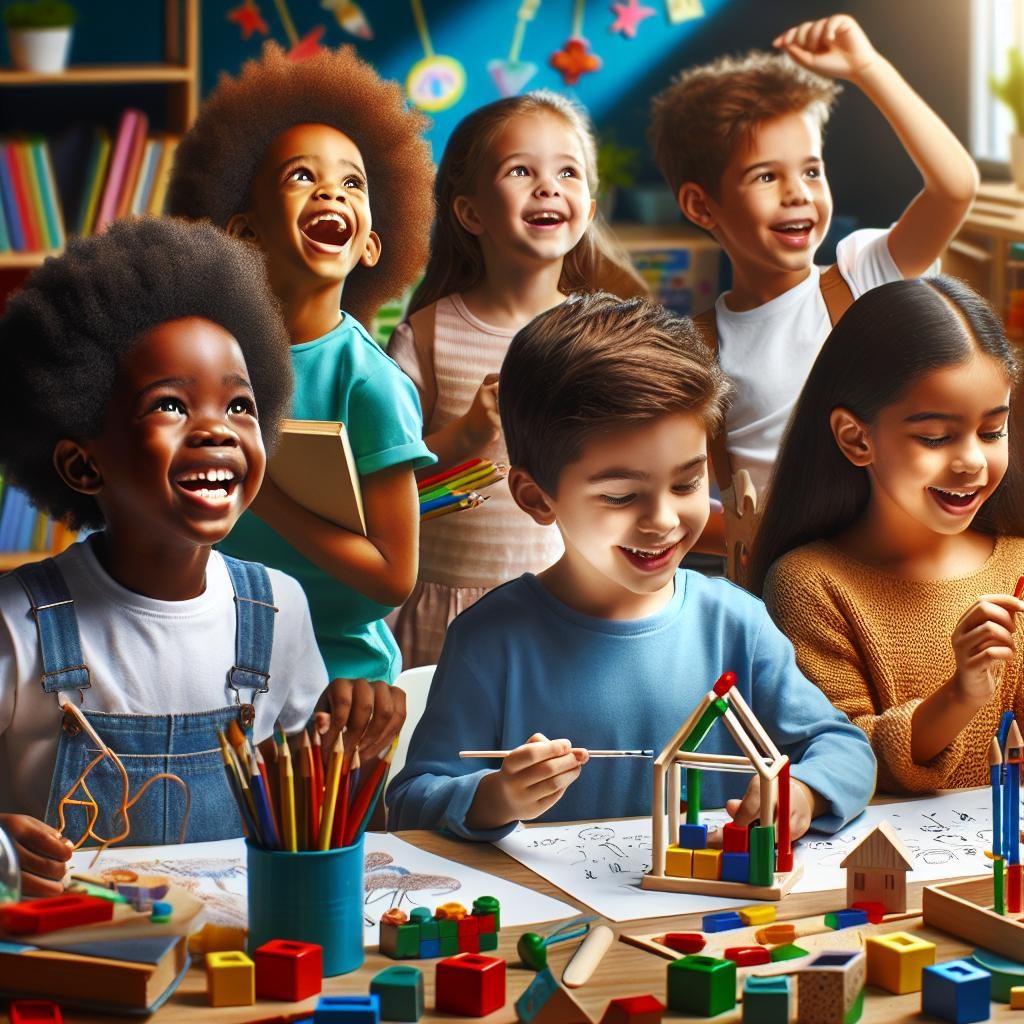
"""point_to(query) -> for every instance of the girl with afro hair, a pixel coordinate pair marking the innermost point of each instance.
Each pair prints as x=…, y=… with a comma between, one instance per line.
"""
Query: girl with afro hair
x=320, y=165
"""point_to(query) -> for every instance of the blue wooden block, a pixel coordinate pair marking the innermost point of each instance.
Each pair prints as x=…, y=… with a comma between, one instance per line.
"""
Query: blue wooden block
x=347, y=1010
x=957, y=991
x=693, y=837
x=766, y=1000
x=848, y=918
x=430, y=949
x=735, y=867
x=723, y=921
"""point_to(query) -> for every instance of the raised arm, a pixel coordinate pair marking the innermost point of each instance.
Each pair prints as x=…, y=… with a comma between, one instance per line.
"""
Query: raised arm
x=837, y=47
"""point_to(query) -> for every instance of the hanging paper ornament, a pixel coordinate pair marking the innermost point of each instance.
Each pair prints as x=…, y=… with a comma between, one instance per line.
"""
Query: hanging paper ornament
x=511, y=74
x=628, y=16
x=308, y=45
x=574, y=58
x=248, y=19
x=435, y=82
x=350, y=17
x=683, y=10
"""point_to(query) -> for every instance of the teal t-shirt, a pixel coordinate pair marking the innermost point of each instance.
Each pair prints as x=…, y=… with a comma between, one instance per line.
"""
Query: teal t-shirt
x=345, y=376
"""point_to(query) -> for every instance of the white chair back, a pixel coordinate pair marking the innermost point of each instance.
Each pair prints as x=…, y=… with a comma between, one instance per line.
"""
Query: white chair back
x=416, y=683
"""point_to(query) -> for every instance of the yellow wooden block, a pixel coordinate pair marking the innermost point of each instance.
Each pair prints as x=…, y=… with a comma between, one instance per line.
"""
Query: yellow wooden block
x=707, y=864
x=764, y=914
x=1017, y=997
x=678, y=862
x=450, y=912
x=896, y=960
x=230, y=979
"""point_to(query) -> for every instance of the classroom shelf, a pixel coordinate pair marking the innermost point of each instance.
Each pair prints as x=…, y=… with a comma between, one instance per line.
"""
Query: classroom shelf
x=101, y=74
x=12, y=559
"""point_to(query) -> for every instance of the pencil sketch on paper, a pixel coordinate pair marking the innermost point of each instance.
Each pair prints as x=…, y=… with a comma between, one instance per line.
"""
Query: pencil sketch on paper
x=384, y=880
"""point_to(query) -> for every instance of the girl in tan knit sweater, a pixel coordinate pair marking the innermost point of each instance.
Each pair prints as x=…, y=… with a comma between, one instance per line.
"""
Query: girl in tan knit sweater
x=891, y=546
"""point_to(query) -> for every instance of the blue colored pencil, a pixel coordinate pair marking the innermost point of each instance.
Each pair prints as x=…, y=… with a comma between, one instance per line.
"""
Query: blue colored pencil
x=261, y=798
x=444, y=501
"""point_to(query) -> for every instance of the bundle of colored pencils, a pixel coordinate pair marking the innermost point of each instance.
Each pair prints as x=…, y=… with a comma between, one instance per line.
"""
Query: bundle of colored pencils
x=457, y=488
x=320, y=809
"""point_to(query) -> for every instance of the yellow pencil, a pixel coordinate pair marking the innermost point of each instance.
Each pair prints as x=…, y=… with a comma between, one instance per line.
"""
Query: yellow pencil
x=481, y=469
x=470, y=501
x=323, y=840
x=286, y=777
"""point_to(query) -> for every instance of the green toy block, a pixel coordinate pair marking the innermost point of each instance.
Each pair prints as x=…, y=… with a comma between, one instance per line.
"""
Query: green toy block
x=449, y=944
x=400, y=989
x=762, y=855
x=447, y=930
x=856, y=1010
x=766, y=1000
x=488, y=941
x=488, y=905
x=430, y=930
x=712, y=713
x=702, y=986
x=790, y=951
x=400, y=941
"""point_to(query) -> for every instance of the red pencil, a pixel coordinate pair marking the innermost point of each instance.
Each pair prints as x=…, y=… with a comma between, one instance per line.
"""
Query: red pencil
x=431, y=481
x=1018, y=591
x=341, y=807
x=318, y=775
x=365, y=798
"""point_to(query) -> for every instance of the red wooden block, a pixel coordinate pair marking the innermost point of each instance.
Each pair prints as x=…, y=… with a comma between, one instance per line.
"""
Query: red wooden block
x=735, y=838
x=633, y=1010
x=747, y=956
x=726, y=681
x=289, y=970
x=487, y=924
x=35, y=1011
x=686, y=943
x=469, y=984
x=875, y=911
x=34, y=917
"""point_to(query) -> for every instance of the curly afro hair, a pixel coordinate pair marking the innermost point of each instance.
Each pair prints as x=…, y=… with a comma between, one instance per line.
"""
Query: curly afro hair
x=65, y=331
x=218, y=158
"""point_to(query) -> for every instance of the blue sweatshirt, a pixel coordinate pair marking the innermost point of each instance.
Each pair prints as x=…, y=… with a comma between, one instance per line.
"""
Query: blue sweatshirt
x=520, y=661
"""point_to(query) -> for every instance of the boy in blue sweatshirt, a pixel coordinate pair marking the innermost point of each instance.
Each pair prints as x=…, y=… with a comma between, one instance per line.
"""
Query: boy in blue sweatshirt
x=606, y=407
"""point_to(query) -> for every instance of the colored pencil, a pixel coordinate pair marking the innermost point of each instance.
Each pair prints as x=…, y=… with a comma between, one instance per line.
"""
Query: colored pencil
x=1012, y=757
x=445, y=501
x=592, y=753
x=261, y=798
x=238, y=740
x=369, y=793
x=310, y=820
x=446, y=474
x=473, y=501
x=286, y=783
x=460, y=483
x=1018, y=591
x=995, y=761
x=234, y=785
x=243, y=784
x=269, y=784
x=331, y=795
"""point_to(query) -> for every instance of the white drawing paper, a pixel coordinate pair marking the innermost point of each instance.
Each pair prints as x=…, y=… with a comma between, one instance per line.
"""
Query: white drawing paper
x=397, y=874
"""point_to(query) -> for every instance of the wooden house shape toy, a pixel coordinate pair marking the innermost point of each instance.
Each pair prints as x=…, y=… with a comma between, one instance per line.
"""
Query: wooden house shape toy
x=876, y=870
x=755, y=863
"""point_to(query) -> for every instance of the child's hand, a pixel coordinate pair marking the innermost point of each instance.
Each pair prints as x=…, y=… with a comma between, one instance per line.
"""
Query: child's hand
x=482, y=420
x=42, y=852
x=372, y=713
x=532, y=779
x=835, y=47
x=804, y=806
x=983, y=638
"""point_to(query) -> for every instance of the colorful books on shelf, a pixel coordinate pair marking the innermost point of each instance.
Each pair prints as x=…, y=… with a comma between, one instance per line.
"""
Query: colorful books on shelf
x=26, y=529
x=80, y=179
x=120, y=976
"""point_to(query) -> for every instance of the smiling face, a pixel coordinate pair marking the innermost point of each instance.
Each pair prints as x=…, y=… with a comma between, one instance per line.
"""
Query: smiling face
x=532, y=201
x=936, y=456
x=628, y=509
x=774, y=205
x=180, y=456
x=310, y=208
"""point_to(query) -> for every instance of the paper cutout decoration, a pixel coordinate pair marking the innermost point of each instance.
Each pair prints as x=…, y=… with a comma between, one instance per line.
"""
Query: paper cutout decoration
x=628, y=16
x=435, y=82
x=575, y=59
x=248, y=19
x=511, y=74
x=683, y=10
x=350, y=17
x=308, y=45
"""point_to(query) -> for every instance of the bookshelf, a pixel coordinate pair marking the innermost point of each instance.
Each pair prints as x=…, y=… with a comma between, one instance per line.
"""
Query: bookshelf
x=177, y=75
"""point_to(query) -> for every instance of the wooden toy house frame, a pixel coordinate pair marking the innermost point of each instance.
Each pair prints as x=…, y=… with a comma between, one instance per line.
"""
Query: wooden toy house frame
x=760, y=756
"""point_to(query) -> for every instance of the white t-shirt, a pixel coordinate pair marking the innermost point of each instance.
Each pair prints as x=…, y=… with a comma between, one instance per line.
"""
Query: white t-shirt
x=768, y=352
x=145, y=657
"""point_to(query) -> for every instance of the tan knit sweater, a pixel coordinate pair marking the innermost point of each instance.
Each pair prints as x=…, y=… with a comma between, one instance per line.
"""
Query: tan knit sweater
x=877, y=645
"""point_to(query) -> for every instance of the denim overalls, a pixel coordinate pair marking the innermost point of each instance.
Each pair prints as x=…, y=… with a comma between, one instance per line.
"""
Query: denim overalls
x=185, y=744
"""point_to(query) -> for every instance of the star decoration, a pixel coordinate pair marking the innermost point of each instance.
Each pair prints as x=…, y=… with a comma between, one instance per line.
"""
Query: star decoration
x=628, y=16
x=574, y=59
x=308, y=45
x=248, y=19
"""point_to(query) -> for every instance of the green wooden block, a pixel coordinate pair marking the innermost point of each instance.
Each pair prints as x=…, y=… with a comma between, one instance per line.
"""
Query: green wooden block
x=488, y=941
x=854, y=1013
x=449, y=945
x=400, y=989
x=702, y=986
x=488, y=905
x=790, y=951
x=447, y=930
x=762, y=855
x=429, y=930
x=766, y=1000
x=408, y=942
x=420, y=915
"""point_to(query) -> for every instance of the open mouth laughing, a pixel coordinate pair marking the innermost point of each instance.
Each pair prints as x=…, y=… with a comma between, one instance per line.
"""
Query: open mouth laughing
x=955, y=502
x=649, y=559
x=327, y=231
x=545, y=219
x=211, y=488
x=793, y=233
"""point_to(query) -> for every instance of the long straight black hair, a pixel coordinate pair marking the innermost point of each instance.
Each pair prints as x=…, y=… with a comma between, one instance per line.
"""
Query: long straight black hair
x=889, y=338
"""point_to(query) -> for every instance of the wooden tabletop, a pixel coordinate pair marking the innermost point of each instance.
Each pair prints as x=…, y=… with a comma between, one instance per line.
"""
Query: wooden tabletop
x=624, y=971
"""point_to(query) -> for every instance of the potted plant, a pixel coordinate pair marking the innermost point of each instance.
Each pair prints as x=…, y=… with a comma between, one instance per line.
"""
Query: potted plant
x=1010, y=89
x=39, y=34
x=615, y=169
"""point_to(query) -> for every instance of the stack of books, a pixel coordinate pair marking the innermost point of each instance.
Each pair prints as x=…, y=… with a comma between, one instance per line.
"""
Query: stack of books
x=24, y=528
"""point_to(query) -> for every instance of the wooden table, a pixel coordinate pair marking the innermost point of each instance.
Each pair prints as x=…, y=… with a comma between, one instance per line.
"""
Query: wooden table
x=624, y=971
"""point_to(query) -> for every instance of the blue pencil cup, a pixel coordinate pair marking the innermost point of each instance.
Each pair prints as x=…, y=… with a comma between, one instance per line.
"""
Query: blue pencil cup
x=310, y=896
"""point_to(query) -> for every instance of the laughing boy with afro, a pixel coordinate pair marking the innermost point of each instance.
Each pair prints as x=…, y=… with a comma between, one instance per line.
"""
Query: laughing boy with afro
x=320, y=164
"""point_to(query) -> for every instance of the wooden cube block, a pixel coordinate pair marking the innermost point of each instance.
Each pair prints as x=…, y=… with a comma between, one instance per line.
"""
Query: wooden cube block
x=289, y=970
x=470, y=984
x=707, y=864
x=830, y=988
x=693, y=837
x=957, y=991
x=736, y=867
x=1017, y=997
x=230, y=979
x=400, y=941
x=634, y=1010
x=678, y=862
x=347, y=1010
x=400, y=990
x=766, y=1000
x=35, y=1011
x=735, y=838
x=762, y=914
x=896, y=960
x=762, y=855
x=702, y=986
